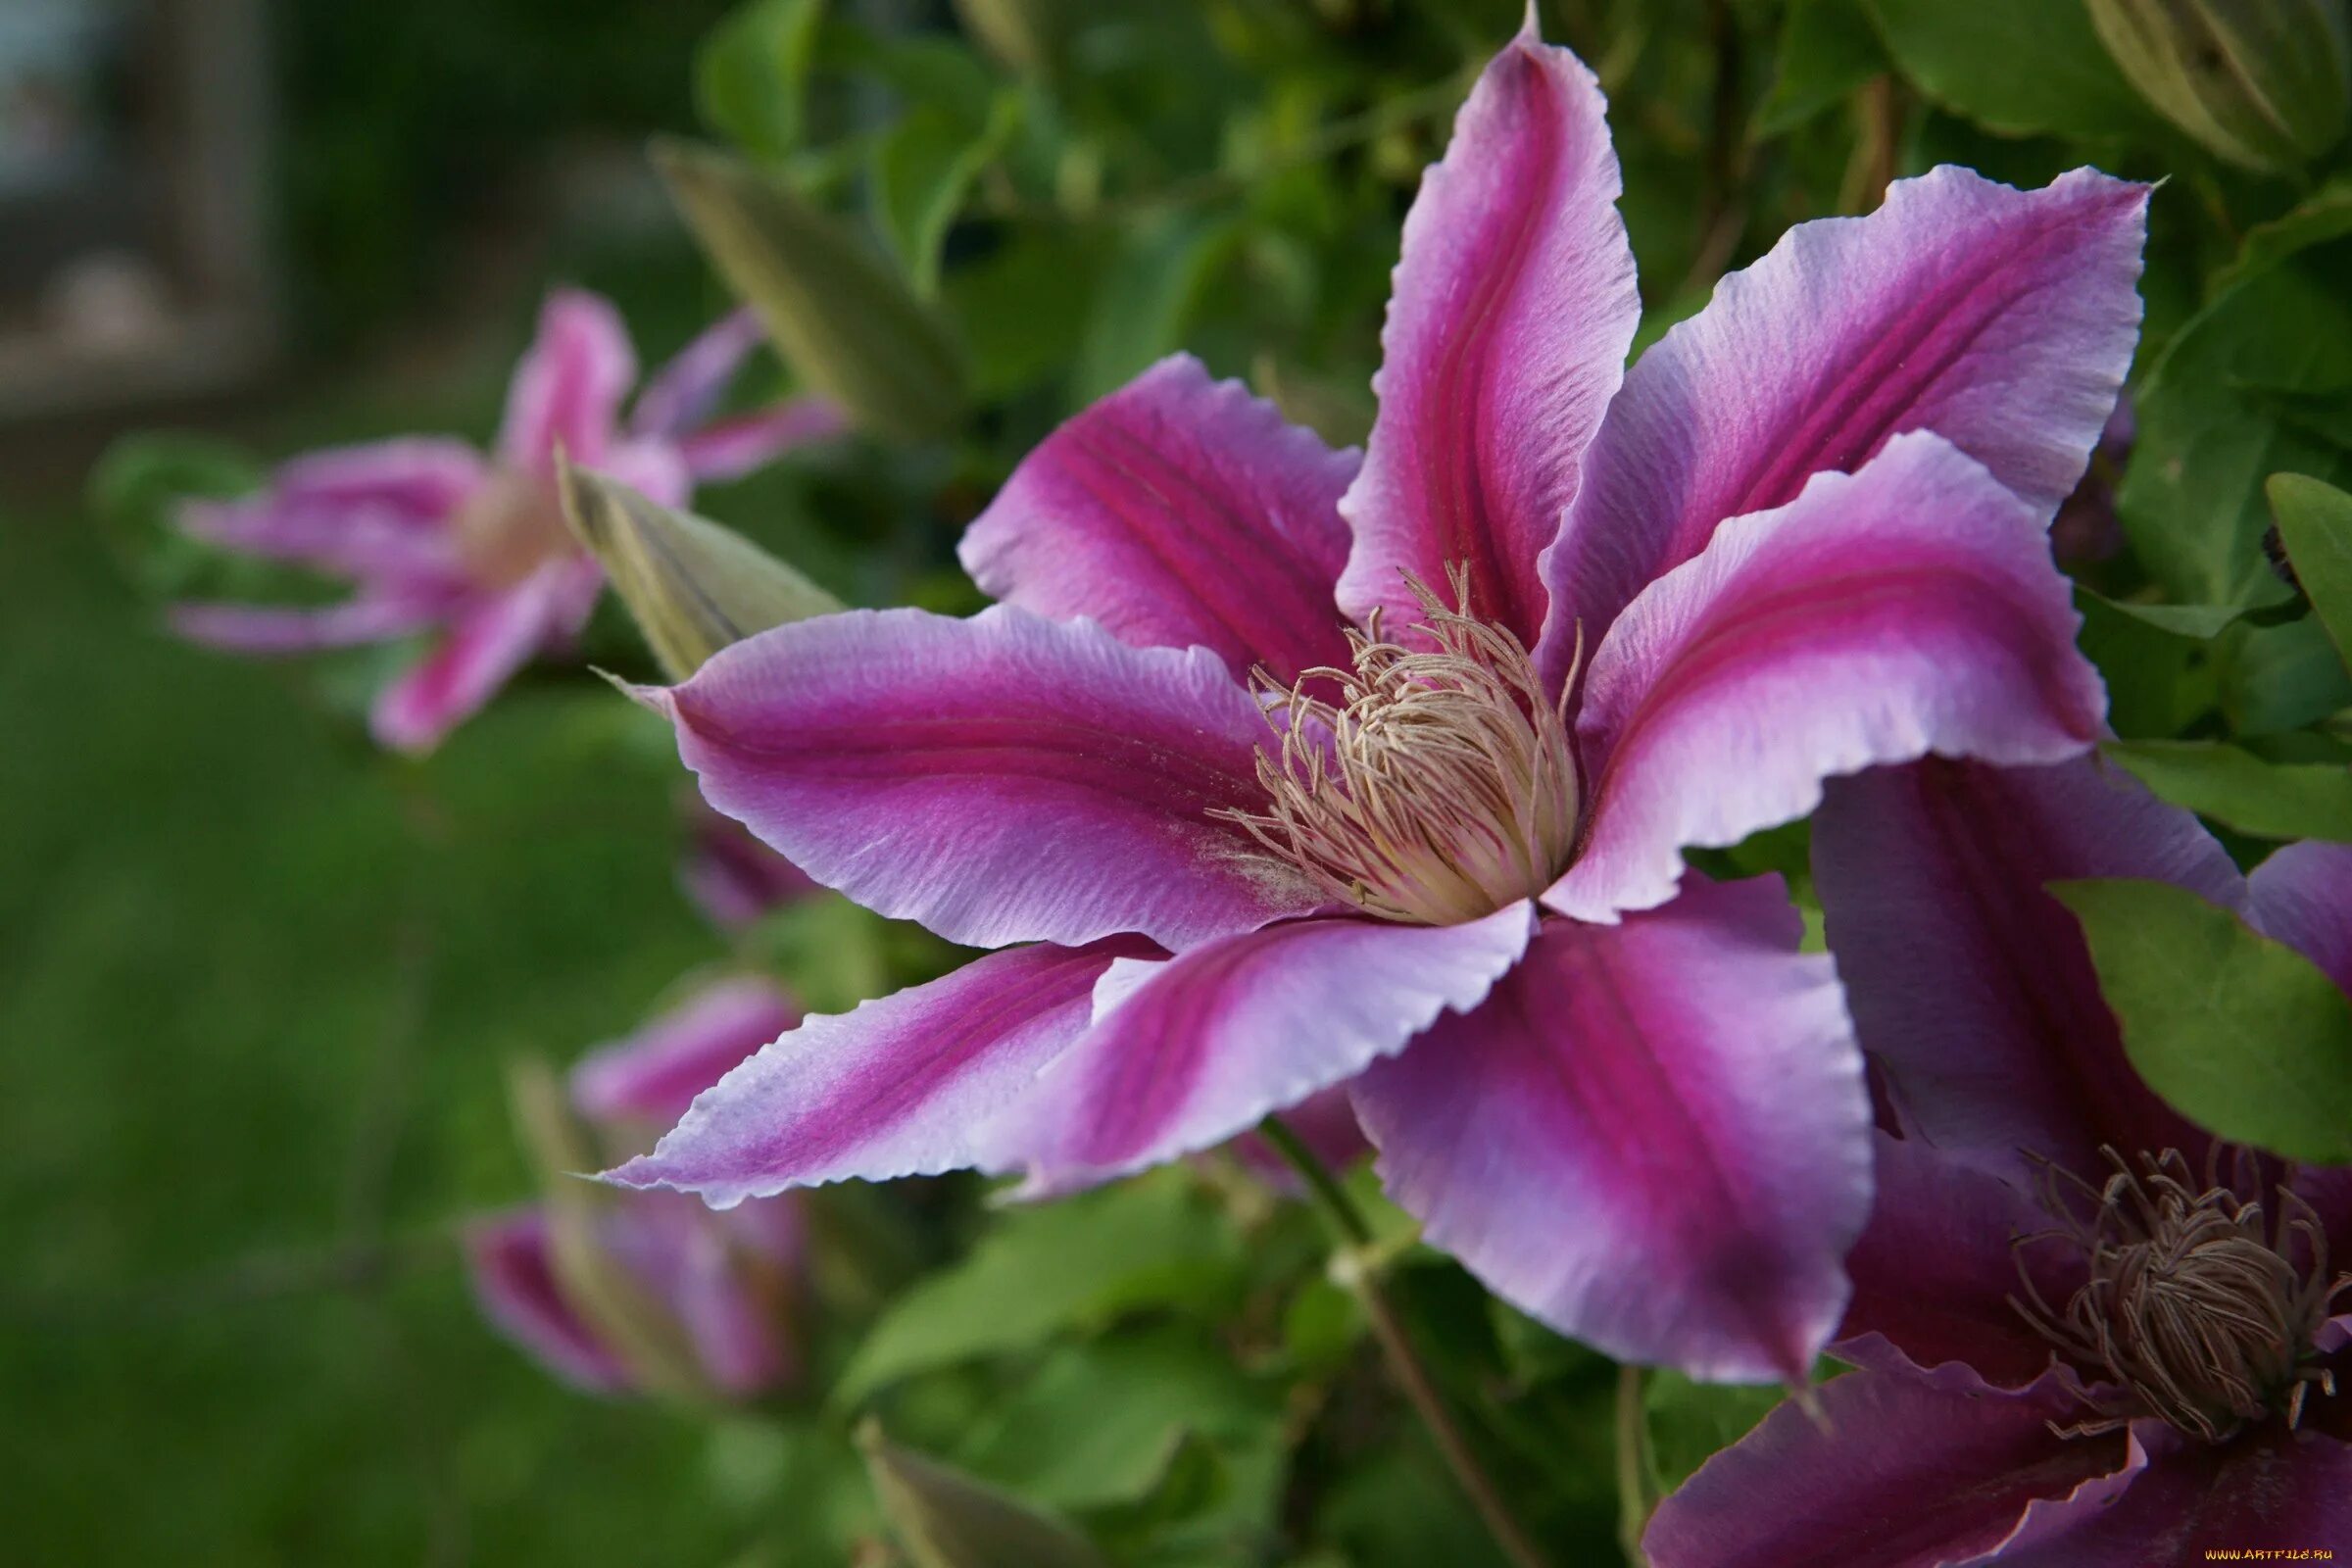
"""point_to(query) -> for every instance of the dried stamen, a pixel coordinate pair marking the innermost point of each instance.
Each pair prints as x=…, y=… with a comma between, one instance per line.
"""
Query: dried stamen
x=2194, y=1309
x=1441, y=787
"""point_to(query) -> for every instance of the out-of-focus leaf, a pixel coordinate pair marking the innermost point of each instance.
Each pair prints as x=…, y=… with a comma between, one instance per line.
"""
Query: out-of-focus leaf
x=2242, y=791
x=832, y=953
x=2209, y=435
x=2315, y=523
x=1022, y=309
x=139, y=484
x=2017, y=66
x=1827, y=50
x=2281, y=678
x=1081, y=1261
x=2240, y=1033
x=692, y=586
x=1145, y=301
x=945, y=1519
x=923, y=173
x=840, y=315
x=1022, y=35
x=1322, y=1326
x=2196, y=622
x=1690, y=1422
x=751, y=76
x=2262, y=84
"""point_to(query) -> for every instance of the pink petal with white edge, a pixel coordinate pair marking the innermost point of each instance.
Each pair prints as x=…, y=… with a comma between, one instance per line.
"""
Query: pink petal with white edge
x=1178, y=512
x=1909, y=609
x=655, y=1074
x=1896, y=1474
x=900, y=1087
x=999, y=779
x=2302, y=896
x=1186, y=1052
x=1513, y=308
x=1653, y=1136
x=1969, y=983
x=2001, y=319
x=568, y=387
x=515, y=1280
x=487, y=643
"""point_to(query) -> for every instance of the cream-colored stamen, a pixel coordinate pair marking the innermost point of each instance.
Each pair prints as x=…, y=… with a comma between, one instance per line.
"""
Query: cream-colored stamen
x=508, y=528
x=1441, y=787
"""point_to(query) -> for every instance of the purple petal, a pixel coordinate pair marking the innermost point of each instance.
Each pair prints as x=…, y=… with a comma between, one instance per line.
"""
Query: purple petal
x=1936, y=1268
x=1186, y=1052
x=900, y=1087
x=654, y=1073
x=1325, y=1121
x=568, y=387
x=487, y=643
x=1178, y=512
x=1897, y=1474
x=999, y=779
x=2276, y=1491
x=684, y=392
x=735, y=1309
x=732, y=448
x=270, y=631
x=2002, y=320
x=1911, y=608
x=1968, y=982
x=515, y=1280
x=418, y=479
x=2302, y=894
x=656, y=470
x=359, y=538
x=731, y=876
x=1513, y=308
x=1653, y=1136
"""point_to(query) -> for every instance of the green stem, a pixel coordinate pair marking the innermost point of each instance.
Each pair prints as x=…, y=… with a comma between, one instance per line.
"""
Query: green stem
x=1636, y=1490
x=1357, y=1265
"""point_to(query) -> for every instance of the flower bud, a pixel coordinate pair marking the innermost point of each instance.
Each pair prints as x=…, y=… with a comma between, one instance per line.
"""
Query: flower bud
x=848, y=324
x=945, y=1519
x=692, y=586
x=2266, y=84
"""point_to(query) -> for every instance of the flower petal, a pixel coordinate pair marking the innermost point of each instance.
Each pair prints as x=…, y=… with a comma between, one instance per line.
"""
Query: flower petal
x=361, y=538
x=655, y=1074
x=1187, y=1052
x=2002, y=320
x=1001, y=780
x=486, y=644
x=731, y=448
x=272, y=630
x=2276, y=1491
x=1514, y=306
x=1911, y=608
x=418, y=479
x=2302, y=894
x=899, y=1086
x=515, y=1280
x=1178, y=512
x=1653, y=1136
x=568, y=387
x=1970, y=984
x=685, y=391
x=1895, y=1474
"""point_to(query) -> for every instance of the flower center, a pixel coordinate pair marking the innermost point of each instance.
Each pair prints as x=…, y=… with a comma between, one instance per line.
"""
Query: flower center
x=1440, y=787
x=508, y=528
x=2195, y=1308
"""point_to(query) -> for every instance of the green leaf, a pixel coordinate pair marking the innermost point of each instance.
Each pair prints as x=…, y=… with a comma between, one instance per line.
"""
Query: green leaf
x=2315, y=523
x=832, y=953
x=2242, y=791
x=2281, y=678
x=923, y=173
x=2238, y=1033
x=945, y=1519
x=1690, y=1422
x=2021, y=68
x=2196, y=622
x=136, y=490
x=1827, y=50
x=751, y=75
x=1082, y=1261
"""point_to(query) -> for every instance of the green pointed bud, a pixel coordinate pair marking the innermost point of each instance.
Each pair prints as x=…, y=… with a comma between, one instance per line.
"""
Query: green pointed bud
x=2266, y=84
x=839, y=313
x=692, y=586
x=945, y=1519
x=628, y=1320
x=1018, y=34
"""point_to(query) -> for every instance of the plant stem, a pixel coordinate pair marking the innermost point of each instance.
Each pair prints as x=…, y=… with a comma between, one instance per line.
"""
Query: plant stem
x=1356, y=1266
x=1636, y=1495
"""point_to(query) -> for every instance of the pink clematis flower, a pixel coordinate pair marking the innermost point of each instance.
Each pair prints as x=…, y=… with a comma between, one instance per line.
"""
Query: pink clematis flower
x=2088, y=1337
x=725, y=1286
x=440, y=538
x=732, y=877
x=1436, y=855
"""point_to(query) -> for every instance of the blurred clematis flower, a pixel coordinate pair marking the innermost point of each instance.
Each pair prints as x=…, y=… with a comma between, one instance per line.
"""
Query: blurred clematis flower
x=730, y=876
x=2088, y=1335
x=471, y=548
x=654, y=1291
x=1436, y=853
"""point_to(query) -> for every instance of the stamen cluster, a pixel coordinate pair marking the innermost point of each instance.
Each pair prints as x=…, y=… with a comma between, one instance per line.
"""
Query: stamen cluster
x=1440, y=787
x=2195, y=1308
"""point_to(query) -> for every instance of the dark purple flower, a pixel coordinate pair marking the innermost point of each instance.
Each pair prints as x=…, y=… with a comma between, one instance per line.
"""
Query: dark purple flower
x=439, y=538
x=2088, y=1335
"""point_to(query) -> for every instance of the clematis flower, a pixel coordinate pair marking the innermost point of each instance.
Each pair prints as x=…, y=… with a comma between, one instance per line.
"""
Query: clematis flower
x=732, y=877
x=662, y=1293
x=1427, y=851
x=471, y=548
x=2088, y=1335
